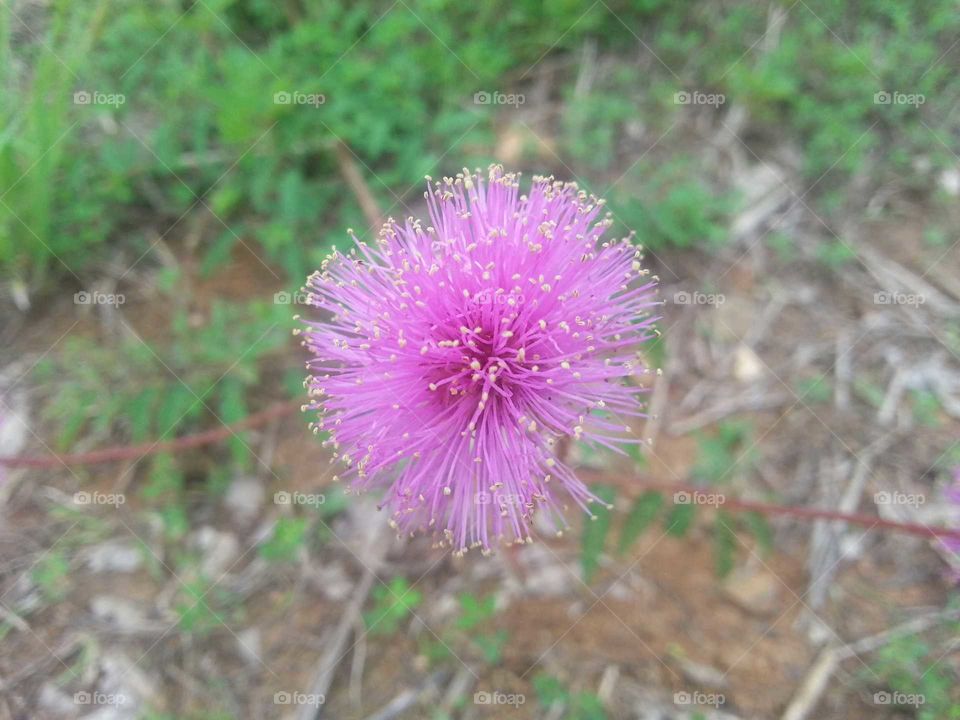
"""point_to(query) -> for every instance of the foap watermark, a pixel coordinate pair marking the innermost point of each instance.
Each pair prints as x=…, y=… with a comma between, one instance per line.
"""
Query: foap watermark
x=483, y=97
x=699, y=698
x=286, y=298
x=98, y=498
x=895, y=97
x=498, y=297
x=298, y=498
x=499, y=499
x=85, y=297
x=898, y=698
x=896, y=497
x=98, y=698
x=95, y=97
x=698, y=298
x=898, y=298
x=498, y=698
x=299, y=698
x=683, y=497
x=296, y=97
x=695, y=97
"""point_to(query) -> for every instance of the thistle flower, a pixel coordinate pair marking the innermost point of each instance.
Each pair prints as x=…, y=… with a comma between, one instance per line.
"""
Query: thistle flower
x=451, y=359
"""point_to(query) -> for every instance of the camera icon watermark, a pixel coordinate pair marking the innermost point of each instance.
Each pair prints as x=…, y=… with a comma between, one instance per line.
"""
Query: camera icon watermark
x=298, y=698
x=484, y=97
x=83, y=697
x=913, y=500
x=98, y=498
x=684, y=497
x=699, y=698
x=695, y=97
x=95, y=97
x=286, y=298
x=298, y=498
x=496, y=697
x=895, y=97
x=499, y=297
x=898, y=698
x=898, y=298
x=698, y=298
x=500, y=499
x=296, y=97
x=85, y=297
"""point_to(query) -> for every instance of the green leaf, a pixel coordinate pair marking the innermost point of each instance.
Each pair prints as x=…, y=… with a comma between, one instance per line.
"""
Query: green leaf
x=288, y=536
x=218, y=253
x=680, y=519
x=474, y=611
x=595, y=532
x=587, y=706
x=51, y=574
x=391, y=605
x=491, y=646
x=758, y=526
x=724, y=544
x=550, y=691
x=233, y=408
x=140, y=413
x=643, y=512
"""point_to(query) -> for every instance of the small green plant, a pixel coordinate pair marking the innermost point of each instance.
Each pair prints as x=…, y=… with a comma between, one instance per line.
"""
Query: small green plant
x=916, y=678
x=669, y=205
x=814, y=390
x=152, y=390
x=926, y=408
x=470, y=632
x=289, y=535
x=595, y=531
x=835, y=254
x=643, y=512
x=392, y=604
x=551, y=693
x=721, y=454
x=718, y=455
x=201, y=609
x=51, y=574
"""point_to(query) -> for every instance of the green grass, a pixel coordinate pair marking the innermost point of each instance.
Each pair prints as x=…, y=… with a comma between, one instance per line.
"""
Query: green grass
x=199, y=124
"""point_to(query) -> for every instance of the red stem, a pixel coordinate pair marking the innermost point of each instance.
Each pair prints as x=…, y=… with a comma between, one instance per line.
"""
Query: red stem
x=808, y=513
x=278, y=410
x=128, y=452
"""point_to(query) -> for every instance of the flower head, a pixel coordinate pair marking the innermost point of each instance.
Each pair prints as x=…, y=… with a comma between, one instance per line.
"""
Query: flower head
x=450, y=359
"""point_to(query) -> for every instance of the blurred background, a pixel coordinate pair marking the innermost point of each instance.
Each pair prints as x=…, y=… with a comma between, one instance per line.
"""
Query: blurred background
x=171, y=171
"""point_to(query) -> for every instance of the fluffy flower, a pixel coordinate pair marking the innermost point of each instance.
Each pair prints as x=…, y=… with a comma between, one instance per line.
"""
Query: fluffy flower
x=449, y=360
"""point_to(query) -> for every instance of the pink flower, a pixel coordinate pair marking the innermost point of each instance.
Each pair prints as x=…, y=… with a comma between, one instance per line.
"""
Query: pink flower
x=451, y=358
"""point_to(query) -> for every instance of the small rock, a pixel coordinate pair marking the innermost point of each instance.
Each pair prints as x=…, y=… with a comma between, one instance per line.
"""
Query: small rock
x=753, y=590
x=702, y=675
x=117, y=611
x=113, y=556
x=127, y=684
x=733, y=317
x=363, y=528
x=747, y=365
x=332, y=580
x=220, y=550
x=249, y=646
x=950, y=181
x=55, y=702
x=14, y=414
x=545, y=576
x=244, y=499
